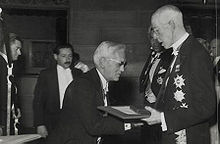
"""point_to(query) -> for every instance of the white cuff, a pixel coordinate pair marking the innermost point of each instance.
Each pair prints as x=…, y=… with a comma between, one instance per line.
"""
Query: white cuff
x=127, y=126
x=163, y=122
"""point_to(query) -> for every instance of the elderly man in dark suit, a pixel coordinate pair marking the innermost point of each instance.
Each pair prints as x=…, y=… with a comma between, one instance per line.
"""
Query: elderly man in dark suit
x=50, y=88
x=187, y=99
x=81, y=122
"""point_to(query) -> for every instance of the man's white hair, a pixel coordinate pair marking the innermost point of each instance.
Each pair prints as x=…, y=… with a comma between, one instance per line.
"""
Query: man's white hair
x=106, y=49
x=168, y=12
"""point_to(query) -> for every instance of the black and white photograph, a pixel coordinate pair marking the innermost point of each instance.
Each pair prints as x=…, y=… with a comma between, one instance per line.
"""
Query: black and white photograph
x=109, y=71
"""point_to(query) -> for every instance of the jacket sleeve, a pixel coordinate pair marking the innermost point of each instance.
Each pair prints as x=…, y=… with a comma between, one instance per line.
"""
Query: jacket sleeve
x=39, y=100
x=3, y=95
x=84, y=97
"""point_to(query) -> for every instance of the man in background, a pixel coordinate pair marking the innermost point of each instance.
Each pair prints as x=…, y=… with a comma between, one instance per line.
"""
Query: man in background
x=50, y=88
x=186, y=101
x=215, y=53
x=7, y=77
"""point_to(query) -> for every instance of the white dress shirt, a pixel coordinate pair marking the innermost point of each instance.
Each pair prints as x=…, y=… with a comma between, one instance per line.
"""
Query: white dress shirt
x=64, y=79
x=104, y=86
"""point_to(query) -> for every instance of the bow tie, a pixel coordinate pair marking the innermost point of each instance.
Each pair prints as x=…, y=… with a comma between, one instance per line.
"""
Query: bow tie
x=67, y=70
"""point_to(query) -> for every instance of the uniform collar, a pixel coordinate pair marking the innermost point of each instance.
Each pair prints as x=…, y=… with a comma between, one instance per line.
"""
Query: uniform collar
x=178, y=43
x=4, y=56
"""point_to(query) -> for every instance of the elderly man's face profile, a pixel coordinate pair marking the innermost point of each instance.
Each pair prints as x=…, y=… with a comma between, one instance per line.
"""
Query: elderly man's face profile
x=114, y=66
x=163, y=31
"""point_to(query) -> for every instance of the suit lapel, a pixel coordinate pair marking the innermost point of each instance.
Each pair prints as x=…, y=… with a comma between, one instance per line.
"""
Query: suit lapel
x=94, y=77
x=55, y=83
x=145, y=74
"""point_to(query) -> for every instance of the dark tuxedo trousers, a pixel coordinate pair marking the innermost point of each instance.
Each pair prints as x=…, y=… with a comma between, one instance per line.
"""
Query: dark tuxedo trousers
x=192, y=76
x=81, y=122
x=46, y=103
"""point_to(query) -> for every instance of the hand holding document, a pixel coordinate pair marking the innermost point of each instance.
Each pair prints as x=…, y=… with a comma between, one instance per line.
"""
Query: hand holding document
x=154, y=118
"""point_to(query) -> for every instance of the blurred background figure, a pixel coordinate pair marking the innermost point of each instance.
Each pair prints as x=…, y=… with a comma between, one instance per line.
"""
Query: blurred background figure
x=205, y=44
x=78, y=64
x=215, y=50
x=15, y=45
x=215, y=53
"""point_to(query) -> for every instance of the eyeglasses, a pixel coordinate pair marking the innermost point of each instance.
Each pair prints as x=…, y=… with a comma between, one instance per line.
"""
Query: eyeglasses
x=121, y=63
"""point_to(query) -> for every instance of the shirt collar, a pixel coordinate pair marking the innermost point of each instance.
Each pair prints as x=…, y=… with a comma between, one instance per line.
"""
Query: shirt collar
x=4, y=56
x=61, y=68
x=178, y=43
x=103, y=81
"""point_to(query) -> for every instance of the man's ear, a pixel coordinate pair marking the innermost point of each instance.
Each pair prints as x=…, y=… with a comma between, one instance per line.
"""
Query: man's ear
x=55, y=56
x=102, y=62
x=172, y=24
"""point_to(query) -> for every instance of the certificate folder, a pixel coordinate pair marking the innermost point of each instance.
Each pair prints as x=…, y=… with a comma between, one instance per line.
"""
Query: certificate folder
x=125, y=112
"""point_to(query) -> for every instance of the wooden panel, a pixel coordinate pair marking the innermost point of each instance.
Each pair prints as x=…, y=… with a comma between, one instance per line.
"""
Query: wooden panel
x=119, y=19
x=100, y=19
x=85, y=51
x=87, y=18
x=125, y=35
x=85, y=36
x=137, y=52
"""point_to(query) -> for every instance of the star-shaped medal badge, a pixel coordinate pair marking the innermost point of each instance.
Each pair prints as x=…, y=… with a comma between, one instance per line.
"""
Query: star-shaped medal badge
x=179, y=95
x=179, y=81
x=159, y=80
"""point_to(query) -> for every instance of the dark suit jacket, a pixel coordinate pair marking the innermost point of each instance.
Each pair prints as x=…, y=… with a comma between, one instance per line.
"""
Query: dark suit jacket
x=3, y=91
x=160, y=71
x=217, y=71
x=46, y=103
x=81, y=122
x=188, y=101
x=4, y=95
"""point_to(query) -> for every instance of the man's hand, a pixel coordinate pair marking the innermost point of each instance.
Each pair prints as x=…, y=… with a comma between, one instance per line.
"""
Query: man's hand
x=154, y=118
x=1, y=131
x=42, y=130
